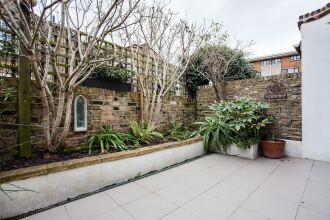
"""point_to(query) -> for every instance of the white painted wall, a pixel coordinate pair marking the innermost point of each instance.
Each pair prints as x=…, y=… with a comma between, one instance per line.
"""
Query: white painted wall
x=316, y=89
x=271, y=69
x=266, y=70
x=57, y=187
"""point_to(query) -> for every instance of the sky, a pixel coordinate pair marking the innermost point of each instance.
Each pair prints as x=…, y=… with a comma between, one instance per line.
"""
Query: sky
x=271, y=25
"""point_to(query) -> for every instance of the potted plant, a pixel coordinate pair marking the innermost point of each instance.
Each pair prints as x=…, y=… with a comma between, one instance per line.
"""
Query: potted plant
x=273, y=147
x=116, y=78
x=234, y=127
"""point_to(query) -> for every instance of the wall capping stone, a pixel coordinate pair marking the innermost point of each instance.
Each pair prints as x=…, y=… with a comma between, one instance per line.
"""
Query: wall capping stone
x=24, y=173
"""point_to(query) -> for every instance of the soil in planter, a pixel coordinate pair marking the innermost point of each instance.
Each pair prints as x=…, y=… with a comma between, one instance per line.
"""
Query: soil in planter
x=39, y=159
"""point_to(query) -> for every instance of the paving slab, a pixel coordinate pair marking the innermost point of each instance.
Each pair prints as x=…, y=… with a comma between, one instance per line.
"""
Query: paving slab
x=213, y=187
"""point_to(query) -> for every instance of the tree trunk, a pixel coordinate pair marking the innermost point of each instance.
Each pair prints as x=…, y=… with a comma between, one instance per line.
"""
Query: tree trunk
x=141, y=106
x=67, y=120
x=220, y=91
x=45, y=118
x=58, y=116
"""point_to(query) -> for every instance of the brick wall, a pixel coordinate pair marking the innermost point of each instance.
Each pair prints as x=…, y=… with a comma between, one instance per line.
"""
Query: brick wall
x=105, y=107
x=287, y=63
x=282, y=92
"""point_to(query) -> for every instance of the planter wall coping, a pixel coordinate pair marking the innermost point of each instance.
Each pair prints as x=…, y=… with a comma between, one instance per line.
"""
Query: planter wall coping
x=24, y=173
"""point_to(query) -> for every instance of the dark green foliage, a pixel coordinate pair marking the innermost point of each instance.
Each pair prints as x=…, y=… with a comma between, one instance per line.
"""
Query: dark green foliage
x=179, y=131
x=6, y=93
x=239, y=69
x=107, y=138
x=139, y=134
x=240, y=122
x=113, y=73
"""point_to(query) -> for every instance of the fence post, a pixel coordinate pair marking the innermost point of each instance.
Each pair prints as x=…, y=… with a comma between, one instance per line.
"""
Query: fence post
x=24, y=96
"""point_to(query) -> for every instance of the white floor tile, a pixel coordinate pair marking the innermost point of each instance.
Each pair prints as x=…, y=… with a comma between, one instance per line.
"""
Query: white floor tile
x=208, y=207
x=317, y=197
x=307, y=214
x=180, y=214
x=149, y=207
x=52, y=214
x=245, y=214
x=289, y=191
x=161, y=180
x=213, y=187
x=127, y=193
x=270, y=207
x=91, y=206
x=179, y=193
x=230, y=192
x=321, y=172
x=114, y=214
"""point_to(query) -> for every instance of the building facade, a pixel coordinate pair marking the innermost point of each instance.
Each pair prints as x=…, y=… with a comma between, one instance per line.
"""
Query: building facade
x=275, y=64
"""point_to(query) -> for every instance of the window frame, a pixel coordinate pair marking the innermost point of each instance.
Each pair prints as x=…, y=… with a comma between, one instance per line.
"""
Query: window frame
x=76, y=128
x=276, y=61
x=265, y=62
x=295, y=58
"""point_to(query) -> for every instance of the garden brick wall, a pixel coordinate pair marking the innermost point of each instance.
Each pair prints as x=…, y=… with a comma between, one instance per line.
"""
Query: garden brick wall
x=105, y=107
x=282, y=92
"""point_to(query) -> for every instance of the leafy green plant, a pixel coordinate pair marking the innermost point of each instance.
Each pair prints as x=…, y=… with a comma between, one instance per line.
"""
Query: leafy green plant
x=113, y=73
x=179, y=131
x=240, y=122
x=107, y=138
x=140, y=134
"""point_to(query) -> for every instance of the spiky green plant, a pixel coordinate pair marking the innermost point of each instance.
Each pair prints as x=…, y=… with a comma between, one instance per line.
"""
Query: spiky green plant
x=140, y=134
x=107, y=138
x=179, y=131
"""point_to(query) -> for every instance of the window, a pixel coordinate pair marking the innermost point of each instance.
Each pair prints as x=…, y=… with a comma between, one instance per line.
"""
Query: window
x=295, y=58
x=290, y=70
x=80, y=114
x=276, y=61
x=265, y=62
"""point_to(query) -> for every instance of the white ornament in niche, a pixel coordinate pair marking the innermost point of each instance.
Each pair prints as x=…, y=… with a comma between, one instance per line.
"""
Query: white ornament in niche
x=177, y=90
x=80, y=114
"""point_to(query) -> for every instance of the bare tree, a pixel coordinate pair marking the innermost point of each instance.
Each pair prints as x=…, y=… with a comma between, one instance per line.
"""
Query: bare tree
x=81, y=26
x=216, y=58
x=161, y=45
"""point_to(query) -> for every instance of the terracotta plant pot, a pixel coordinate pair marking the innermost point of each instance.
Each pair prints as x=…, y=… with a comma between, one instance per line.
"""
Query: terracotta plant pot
x=273, y=149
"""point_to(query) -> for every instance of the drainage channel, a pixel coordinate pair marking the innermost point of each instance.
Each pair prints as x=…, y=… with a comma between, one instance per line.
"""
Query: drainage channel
x=102, y=189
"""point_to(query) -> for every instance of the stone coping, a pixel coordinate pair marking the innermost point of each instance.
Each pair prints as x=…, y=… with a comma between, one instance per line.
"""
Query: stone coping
x=24, y=173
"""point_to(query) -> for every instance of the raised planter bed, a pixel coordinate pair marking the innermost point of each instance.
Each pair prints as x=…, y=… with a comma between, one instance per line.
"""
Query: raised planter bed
x=59, y=181
x=250, y=153
x=107, y=84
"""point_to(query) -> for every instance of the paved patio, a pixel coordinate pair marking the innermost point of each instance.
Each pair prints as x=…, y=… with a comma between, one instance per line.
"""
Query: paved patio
x=214, y=187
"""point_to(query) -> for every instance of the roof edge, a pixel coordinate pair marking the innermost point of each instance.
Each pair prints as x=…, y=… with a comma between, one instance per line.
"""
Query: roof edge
x=272, y=56
x=314, y=15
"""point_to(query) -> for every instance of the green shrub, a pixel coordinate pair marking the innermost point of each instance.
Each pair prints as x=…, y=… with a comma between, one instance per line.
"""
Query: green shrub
x=107, y=138
x=113, y=73
x=240, y=122
x=239, y=68
x=139, y=134
x=179, y=131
